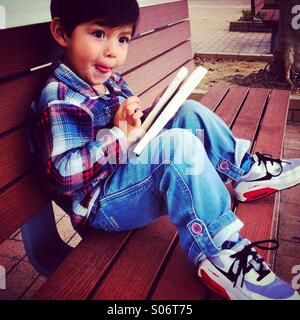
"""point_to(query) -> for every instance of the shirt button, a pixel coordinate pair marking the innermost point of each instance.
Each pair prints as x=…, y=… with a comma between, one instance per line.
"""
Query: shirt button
x=197, y=228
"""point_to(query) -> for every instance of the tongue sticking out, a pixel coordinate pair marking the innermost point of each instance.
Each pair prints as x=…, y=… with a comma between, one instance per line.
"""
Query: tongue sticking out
x=103, y=69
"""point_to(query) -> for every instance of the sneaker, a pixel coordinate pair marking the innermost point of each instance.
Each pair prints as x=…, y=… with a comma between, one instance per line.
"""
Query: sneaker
x=267, y=175
x=240, y=273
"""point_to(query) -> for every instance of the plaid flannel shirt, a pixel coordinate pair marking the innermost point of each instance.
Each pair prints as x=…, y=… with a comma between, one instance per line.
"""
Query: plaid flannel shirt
x=75, y=158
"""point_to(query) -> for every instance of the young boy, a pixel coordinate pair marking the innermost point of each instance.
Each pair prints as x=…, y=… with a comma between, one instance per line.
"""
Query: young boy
x=87, y=123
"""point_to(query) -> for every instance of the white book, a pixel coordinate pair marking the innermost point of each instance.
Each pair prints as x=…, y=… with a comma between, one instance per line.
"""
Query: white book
x=177, y=92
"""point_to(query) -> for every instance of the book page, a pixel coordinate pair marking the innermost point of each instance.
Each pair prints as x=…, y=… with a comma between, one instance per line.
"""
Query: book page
x=172, y=107
x=165, y=98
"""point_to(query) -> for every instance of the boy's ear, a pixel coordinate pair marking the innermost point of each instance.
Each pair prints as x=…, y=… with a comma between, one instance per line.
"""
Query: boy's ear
x=58, y=32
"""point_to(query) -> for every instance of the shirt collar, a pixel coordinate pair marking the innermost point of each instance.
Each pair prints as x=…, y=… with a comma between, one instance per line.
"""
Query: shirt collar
x=67, y=76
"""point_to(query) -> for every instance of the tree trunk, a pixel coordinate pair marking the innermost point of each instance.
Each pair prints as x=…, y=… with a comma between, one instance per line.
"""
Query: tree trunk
x=287, y=50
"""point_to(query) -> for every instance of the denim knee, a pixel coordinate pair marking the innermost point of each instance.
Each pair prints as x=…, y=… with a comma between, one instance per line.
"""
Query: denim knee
x=181, y=147
x=190, y=107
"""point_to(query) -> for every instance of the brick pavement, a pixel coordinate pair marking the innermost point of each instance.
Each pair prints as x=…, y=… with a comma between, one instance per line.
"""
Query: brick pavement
x=210, y=29
x=288, y=254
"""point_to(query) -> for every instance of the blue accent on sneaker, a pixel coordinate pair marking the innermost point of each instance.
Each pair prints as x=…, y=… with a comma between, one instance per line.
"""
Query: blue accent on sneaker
x=278, y=289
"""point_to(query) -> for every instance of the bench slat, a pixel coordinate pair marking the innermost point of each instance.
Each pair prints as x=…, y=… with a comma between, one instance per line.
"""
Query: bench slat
x=141, y=260
x=214, y=96
x=272, y=124
x=146, y=76
x=26, y=47
x=16, y=96
x=248, y=119
x=157, y=16
x=269, y=14
x=97, y=251
x=95, y=254
x=259, y=216
x=156, y=43
x=272, y=16
x=19, y=203
x=179, y=280
x=256, y=6
x=231, y=105
x=17, y=159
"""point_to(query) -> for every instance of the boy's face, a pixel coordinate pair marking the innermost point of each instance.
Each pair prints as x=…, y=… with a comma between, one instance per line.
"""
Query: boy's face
x=93, y=52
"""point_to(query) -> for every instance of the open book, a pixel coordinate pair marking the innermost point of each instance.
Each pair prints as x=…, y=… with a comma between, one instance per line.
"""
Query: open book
x=169, y=103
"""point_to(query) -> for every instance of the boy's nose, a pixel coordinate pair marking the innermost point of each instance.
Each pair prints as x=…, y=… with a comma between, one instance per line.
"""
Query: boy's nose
x=111, y=50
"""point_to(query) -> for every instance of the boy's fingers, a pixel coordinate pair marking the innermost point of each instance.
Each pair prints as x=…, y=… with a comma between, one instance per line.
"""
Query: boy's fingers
x=130, y=112
x=137, y=118
x=130, y=101
x=131, y=109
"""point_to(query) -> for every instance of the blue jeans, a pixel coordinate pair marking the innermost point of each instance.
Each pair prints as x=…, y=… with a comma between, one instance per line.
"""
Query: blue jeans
x=181, y=173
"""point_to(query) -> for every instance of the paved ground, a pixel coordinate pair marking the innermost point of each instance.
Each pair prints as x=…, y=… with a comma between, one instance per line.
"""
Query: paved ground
x=288, y=254
x=209, y=24
x=210, y=29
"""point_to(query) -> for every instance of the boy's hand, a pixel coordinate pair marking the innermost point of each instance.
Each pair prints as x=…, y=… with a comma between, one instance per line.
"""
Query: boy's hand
x=128, y=118
x=131, y=111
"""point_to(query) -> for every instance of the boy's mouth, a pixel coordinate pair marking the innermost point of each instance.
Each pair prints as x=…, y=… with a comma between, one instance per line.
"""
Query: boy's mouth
x=103, y=69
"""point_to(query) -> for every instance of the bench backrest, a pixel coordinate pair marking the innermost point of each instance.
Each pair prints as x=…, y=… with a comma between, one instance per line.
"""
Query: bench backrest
x=160, y=48
x=256, y=6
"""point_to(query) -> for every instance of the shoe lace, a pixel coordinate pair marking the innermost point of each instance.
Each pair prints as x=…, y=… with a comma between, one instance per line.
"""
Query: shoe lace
x=241, y=257
x=264, y=158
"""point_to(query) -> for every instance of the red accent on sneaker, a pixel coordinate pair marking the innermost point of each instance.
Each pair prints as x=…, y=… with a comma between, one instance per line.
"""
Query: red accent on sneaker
x=260, y=193
x=214, y=286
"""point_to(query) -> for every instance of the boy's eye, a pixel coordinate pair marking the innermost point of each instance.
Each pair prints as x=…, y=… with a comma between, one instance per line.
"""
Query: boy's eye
x=124, y=40
x=98, y=34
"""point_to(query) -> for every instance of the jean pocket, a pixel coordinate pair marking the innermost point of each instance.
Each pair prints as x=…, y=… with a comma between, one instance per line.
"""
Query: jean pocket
x=129, y=209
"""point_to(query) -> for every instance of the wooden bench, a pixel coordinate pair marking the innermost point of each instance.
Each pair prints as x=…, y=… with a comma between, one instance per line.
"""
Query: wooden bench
x=269, y=14
x=147, y=263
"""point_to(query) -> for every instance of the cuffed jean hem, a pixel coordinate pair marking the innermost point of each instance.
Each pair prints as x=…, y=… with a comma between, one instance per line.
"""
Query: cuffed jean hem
x=227, y=168
x=209, y=239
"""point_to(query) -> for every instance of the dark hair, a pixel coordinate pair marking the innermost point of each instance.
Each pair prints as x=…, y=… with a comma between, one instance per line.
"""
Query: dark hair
x=110, y=13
